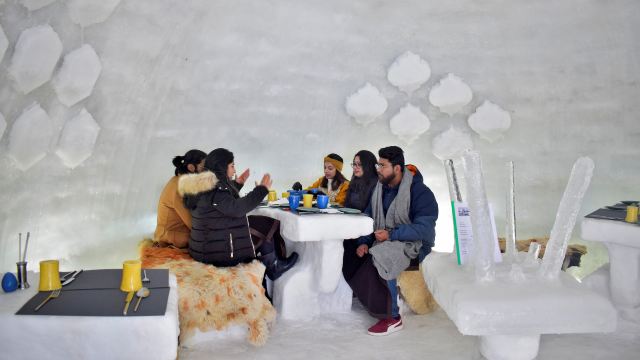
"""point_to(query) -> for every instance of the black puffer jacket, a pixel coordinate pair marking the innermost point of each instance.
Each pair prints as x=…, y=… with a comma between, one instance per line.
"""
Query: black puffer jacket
x=220, y=230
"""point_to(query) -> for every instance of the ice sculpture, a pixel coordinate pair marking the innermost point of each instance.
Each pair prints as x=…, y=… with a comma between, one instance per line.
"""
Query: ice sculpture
x=35, y=4
x=566, y=217
x=4, y=43
x=77, y=76
x=29, y=137
x=510, y=313
x=3, y=125
x=490, y=121
x=510, y=237
x=483, y=242
x=78, y=139
x=36, y=55
x=409, y=123
x=451, y=143
x=366, y=104
x=408, y=72
x=85, y=13
x=450, y=95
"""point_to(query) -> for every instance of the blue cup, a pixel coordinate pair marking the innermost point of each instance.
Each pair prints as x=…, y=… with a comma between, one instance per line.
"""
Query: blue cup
x=294, y=201
x=323, y=201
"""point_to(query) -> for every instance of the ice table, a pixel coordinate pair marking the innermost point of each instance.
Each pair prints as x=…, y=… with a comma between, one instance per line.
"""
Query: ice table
x=623, y=243
x=315, y=284
x=86, y=337
x=508, y=317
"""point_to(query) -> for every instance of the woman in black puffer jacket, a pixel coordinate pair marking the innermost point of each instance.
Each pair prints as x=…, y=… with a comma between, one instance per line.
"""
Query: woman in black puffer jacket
x=220, y=232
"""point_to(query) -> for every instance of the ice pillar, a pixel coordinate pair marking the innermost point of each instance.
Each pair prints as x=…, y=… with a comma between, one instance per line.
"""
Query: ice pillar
x=510, y=236
x=452, y=179
x=483, y=241
x=566, y=217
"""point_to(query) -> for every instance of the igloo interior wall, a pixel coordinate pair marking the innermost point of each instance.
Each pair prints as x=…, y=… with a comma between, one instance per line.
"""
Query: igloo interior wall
x=269, y=80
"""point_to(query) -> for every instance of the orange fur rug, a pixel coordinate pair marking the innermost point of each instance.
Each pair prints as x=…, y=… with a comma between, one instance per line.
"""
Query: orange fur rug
x=212, y=298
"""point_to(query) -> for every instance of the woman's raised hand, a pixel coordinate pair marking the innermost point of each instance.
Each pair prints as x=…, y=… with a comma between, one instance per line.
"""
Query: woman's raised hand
x=266, y=181
x=243, y=177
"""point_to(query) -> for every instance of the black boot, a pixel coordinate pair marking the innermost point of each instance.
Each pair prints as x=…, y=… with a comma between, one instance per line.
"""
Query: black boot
x=275, y=266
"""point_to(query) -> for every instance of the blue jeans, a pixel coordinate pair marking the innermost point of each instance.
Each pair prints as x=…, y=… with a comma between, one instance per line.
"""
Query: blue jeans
x=393, y=290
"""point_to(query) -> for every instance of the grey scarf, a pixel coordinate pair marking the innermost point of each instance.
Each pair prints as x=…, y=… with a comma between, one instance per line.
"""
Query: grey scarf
x=393, y=257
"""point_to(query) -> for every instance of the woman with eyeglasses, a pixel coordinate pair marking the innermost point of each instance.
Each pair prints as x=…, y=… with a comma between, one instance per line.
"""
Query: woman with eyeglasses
x=363, y=181
x=333, y=183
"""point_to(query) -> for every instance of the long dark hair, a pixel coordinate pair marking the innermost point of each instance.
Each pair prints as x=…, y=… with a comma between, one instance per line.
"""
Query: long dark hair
x=217, y=162
x=192, y=157
x=360, y=188
x=339, y=179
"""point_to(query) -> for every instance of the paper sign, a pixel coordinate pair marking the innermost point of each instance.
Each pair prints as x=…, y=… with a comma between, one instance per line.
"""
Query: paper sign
x=463, y=232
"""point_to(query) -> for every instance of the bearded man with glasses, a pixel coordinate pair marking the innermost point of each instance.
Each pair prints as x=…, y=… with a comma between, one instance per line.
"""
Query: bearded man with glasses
x=404, y=211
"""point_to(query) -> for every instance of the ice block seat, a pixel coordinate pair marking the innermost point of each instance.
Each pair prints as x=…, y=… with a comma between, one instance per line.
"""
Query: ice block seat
x=623, y=243
x=509, y=317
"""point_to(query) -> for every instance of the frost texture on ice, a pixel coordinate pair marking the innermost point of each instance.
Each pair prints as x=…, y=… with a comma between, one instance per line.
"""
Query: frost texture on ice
x=451, y=144
x=36, y=55
x=409, y=123
x=35, y=4
x=29, y=137
x=483, y=239
x=408, y=72
x=78, y=139
x=77, y=76
x=3, y=125
x=490, y=121
x=366, y=104
x=4, y=43
x=566, y=217
x=450, y=95
x=85, y=13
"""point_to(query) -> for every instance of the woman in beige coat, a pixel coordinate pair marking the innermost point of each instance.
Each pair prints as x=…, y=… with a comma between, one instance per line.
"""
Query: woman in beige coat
x=174, y=220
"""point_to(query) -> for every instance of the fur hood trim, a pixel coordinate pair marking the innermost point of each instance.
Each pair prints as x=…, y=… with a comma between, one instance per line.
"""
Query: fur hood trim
x=192, y=184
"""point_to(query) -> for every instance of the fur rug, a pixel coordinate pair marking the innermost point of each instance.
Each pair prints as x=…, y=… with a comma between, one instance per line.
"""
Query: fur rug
x=415, y=292
x=213, y=298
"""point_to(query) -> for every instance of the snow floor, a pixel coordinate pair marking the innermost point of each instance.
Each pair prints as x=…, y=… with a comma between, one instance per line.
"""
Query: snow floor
x=431, y=336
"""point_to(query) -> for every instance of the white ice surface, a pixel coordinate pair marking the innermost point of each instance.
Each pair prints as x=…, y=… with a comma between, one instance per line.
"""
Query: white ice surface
x=409, y=123
x=4, y=43
x=77, y=76
x=451, y=143
x=315, y=285
x=85, y=13
x=27, y=145
x=86, y=337
x=505, y=308
x=621, y=240
x=35, y=4
x=432, y=336
x=78, y=139
x=408, y=72
x=3, y=125
x=36, y=55
x=490, y=121
x=366, y=104
x=450, y=95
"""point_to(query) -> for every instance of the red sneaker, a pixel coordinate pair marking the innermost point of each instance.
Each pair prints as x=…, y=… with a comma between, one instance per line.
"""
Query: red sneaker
x=386, y=327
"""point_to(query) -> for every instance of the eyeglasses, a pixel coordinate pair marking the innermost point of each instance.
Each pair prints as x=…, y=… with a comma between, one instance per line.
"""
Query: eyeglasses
x=380, y=166
x=355, y=164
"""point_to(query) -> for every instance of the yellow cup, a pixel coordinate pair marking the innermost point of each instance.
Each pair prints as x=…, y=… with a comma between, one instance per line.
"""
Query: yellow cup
x=285, y=195
x=632, y=214
x=307, y=200
x=131, y=279
x=49, y=275
x=272, y=195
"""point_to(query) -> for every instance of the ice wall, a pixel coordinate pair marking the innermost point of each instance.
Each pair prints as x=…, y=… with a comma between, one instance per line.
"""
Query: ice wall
x=269, y=81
